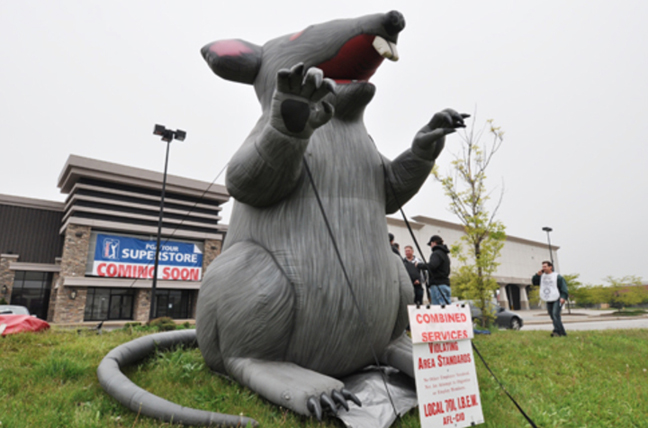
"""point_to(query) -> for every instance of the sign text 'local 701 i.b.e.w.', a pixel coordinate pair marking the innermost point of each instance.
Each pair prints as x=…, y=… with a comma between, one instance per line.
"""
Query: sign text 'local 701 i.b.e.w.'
x=444, y=366
x=126, y=257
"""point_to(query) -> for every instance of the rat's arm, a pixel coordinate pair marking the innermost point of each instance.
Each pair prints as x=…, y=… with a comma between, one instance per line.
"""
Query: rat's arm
x=269, y=164
x=406, y=174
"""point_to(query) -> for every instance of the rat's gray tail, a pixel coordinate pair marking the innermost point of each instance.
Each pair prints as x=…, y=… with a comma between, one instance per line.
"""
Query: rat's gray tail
x=118, y=386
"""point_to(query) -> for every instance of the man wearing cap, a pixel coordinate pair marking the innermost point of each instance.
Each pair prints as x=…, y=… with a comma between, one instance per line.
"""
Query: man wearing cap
x=553, y=290
x=439, y=271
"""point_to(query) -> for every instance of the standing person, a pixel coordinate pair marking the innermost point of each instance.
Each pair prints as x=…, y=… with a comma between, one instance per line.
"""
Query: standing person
x=412, y=259
x=409, y=255
x=393, y=245
x=410, y=265
x=553, y=290
x=438, y=268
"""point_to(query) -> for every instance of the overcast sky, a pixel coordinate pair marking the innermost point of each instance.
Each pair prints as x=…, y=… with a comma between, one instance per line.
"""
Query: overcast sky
x=566, y=81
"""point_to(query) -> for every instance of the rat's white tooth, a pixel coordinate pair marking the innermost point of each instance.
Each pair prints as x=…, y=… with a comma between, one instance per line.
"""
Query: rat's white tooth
x=395, y=56
x=385, y=48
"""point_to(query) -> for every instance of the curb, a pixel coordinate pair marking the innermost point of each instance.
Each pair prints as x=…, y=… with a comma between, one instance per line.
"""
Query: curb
x=110, y=324
x=585, y=319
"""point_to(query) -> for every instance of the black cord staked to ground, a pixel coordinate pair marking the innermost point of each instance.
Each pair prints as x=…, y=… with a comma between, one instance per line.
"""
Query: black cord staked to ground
x=348, y=282
x=502, y=386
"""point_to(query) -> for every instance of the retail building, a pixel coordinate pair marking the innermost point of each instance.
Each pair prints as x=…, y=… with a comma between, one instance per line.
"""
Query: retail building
x=90, y=258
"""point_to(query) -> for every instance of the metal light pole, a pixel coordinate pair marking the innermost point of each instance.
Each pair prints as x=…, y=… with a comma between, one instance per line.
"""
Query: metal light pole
x=167, y=135
x=548, y=229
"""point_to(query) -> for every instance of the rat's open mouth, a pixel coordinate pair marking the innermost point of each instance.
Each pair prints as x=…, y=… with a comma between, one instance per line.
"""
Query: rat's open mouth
x=359, y=59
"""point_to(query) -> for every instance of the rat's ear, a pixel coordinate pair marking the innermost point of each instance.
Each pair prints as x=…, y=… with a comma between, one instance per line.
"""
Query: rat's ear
x=235, y=60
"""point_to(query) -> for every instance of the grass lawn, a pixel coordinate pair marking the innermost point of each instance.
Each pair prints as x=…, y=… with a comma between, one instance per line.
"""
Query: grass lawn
x=588, y=379
x=629, y=313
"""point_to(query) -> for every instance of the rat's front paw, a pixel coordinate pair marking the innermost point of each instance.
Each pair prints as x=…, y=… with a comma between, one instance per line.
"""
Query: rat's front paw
x=297, y=106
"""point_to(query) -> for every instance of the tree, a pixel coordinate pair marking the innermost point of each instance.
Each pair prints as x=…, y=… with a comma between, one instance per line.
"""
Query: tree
x=600, y=294
x=625, y=291
x=581, y=294
x=618, y=292
x=534, y=296
x=573, y=284
x=484, y=237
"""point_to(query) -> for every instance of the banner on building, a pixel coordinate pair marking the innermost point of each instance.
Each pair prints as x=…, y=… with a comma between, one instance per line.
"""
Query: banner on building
x=126, y=257
x=444, y=368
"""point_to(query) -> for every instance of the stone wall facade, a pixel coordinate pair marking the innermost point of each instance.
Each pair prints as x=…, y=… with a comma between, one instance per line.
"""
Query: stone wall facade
x=56, y=280
x=73, y=265
x=211, y=251
x=142, y=305
x=7, y=275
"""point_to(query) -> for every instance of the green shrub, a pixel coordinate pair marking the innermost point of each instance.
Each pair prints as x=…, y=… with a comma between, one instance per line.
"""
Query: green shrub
x=132, y=324
x=162, y=324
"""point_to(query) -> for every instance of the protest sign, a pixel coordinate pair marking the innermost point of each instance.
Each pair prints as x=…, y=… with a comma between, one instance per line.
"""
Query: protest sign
x=445, y=375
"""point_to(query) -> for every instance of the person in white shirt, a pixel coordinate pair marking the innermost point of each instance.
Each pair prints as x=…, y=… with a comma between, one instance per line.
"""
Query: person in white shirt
x=553, y=290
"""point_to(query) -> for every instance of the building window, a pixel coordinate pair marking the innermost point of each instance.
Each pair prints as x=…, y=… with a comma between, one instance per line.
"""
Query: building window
x=109, y=304
x=176, y=304
x=32, y=290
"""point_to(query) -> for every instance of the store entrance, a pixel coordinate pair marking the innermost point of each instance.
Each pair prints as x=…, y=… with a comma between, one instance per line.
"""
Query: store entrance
x=109, y=304
x=32, y=290
x=176, y=304
x=513, y=294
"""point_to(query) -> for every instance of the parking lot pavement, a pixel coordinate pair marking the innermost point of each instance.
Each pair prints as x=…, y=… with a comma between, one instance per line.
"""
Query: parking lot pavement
x=578, y=315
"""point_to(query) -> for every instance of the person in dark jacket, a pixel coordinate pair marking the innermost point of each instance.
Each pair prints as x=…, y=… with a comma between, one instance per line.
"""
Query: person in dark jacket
x=439, y=271
x=393, y=245
x=415, y=275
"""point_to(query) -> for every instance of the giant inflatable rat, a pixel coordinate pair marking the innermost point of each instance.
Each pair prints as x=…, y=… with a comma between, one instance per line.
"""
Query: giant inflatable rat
x=275, y=310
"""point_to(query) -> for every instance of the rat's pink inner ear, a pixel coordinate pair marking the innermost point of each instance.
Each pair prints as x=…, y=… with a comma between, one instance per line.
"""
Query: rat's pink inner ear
x=230, y=48
x=235, y=60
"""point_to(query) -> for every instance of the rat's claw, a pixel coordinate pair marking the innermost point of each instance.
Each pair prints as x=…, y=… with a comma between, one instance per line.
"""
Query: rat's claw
x=315, y=408
x=339, y=398
x=458, y=120
x=328, y=402
x=351, y=396
x=296, y=78
x=326, y=87
x=312, y=82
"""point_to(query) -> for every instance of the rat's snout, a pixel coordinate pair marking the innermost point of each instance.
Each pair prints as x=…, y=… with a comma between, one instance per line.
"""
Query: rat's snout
x=394, y=22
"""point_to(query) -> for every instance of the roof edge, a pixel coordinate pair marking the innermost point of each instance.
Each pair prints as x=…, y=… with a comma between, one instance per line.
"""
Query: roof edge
x=40, y=204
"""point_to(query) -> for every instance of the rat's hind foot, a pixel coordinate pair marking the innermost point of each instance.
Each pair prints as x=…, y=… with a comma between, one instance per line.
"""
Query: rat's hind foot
x=331, y=402
x=294, y=387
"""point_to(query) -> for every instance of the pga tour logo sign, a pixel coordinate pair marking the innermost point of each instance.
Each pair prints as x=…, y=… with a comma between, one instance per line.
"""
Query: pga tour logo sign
x=111, y=248
x=125, y=257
